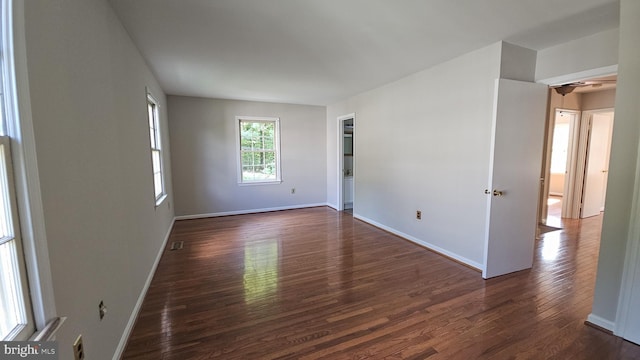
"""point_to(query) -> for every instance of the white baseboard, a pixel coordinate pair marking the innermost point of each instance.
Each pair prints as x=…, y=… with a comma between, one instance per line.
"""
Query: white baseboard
x=136, y=309
x=427, y=245
x=248, y=211
x=603, y=323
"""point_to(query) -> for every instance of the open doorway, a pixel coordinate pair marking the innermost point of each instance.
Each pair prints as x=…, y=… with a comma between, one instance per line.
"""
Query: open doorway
x=346, y=162
x=600, y=130
x=578, y=145
x=563, y=144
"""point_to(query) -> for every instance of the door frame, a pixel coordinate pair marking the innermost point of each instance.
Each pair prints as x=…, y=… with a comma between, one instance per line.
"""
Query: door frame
x=576, y=188
x=631, y=267
x=340, y=162
x=572, y=175
x=557, y=80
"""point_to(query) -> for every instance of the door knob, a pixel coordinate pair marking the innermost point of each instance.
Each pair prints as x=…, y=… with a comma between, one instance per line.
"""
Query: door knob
x=497, y=193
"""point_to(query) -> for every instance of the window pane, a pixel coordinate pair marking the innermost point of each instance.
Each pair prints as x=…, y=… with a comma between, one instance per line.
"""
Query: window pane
x=12, y=311
x=150, y=115
x=268, y=143
x=155, y=155
x=247, y=173
x=6, y=223
x=152, y=125
x=157, y=182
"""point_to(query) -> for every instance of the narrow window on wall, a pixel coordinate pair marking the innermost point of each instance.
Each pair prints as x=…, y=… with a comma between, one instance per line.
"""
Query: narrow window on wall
x=156, y=149
x=16, y=310
x=258, y=150
x=16, y=317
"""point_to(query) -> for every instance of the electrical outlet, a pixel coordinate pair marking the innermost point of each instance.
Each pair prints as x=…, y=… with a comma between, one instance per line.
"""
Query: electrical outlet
x=102, y=309
x=418, y=214
x=78, y=349
x=293, y=191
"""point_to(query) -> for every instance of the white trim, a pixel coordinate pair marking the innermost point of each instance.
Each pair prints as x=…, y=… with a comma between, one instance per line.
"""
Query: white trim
x=574, y=202
x=136, y=309
x=340, y=162
x=151, y=97
x=277, y=147
x=601, y=322
x=423, y=243
x=568, y=187
x=254, y=183
x=580, y=75
x=27, y=178
x=249, y=211
x=632, y=257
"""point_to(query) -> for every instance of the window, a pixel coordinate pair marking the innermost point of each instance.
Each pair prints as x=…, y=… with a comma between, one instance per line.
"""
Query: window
x=26, y=292
x=16, y=313
x=156, y=149
x=16, y=320
x=259, y=150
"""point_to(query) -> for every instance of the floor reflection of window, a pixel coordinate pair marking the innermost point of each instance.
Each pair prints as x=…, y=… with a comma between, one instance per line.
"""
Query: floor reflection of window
x=551, y=246
x=260, y=270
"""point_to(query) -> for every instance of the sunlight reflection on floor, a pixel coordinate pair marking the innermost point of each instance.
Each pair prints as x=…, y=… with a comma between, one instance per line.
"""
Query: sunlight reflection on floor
x=551, y=246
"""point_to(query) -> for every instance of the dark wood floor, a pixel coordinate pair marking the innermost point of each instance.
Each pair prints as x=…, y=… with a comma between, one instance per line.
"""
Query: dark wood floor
x=315, y=283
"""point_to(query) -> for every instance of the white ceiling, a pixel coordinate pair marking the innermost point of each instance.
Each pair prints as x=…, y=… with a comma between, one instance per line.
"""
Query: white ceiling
x=322, y=51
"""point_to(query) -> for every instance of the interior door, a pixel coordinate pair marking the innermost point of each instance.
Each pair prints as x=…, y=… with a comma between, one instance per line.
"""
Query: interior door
x=595, y=182
x=514, y=176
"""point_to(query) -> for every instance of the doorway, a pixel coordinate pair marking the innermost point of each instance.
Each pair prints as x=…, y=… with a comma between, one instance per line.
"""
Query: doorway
x=588, y=108
x=566, y=125
x=600, y=130
x=346, y=162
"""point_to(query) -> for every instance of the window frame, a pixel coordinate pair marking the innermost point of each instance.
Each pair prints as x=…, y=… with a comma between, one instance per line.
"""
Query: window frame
x=22, y=330
x=276, y=141
x=155, y=146
x=18, y=126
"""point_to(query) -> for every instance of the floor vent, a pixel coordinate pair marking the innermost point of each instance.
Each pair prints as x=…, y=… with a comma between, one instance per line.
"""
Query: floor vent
x=177, y=245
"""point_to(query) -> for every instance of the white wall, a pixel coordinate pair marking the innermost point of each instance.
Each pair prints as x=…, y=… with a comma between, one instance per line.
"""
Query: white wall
x=422, y=143
x=599, y=100
x=584, y=54
x=622, y=169
x=87, y=83
x=204, y=156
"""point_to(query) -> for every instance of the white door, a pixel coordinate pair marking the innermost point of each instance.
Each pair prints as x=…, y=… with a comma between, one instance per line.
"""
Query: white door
x=514, y=176
x=595, y=182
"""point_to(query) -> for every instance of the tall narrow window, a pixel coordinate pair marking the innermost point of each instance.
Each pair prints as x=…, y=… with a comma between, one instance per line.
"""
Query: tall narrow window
x=259, y=150
x=16, y=311
x=156, y=149
x=16, y=319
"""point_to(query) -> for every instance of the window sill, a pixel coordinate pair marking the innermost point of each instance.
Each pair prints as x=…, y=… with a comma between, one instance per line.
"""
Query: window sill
x=49, y=331
x=161, y=200
x=253, y=183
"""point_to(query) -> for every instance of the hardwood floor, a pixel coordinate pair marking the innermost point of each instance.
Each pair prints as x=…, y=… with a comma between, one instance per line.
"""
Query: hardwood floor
x=317, y=284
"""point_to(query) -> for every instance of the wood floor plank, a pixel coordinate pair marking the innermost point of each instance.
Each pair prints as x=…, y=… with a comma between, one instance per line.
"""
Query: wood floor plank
x=318, y=284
